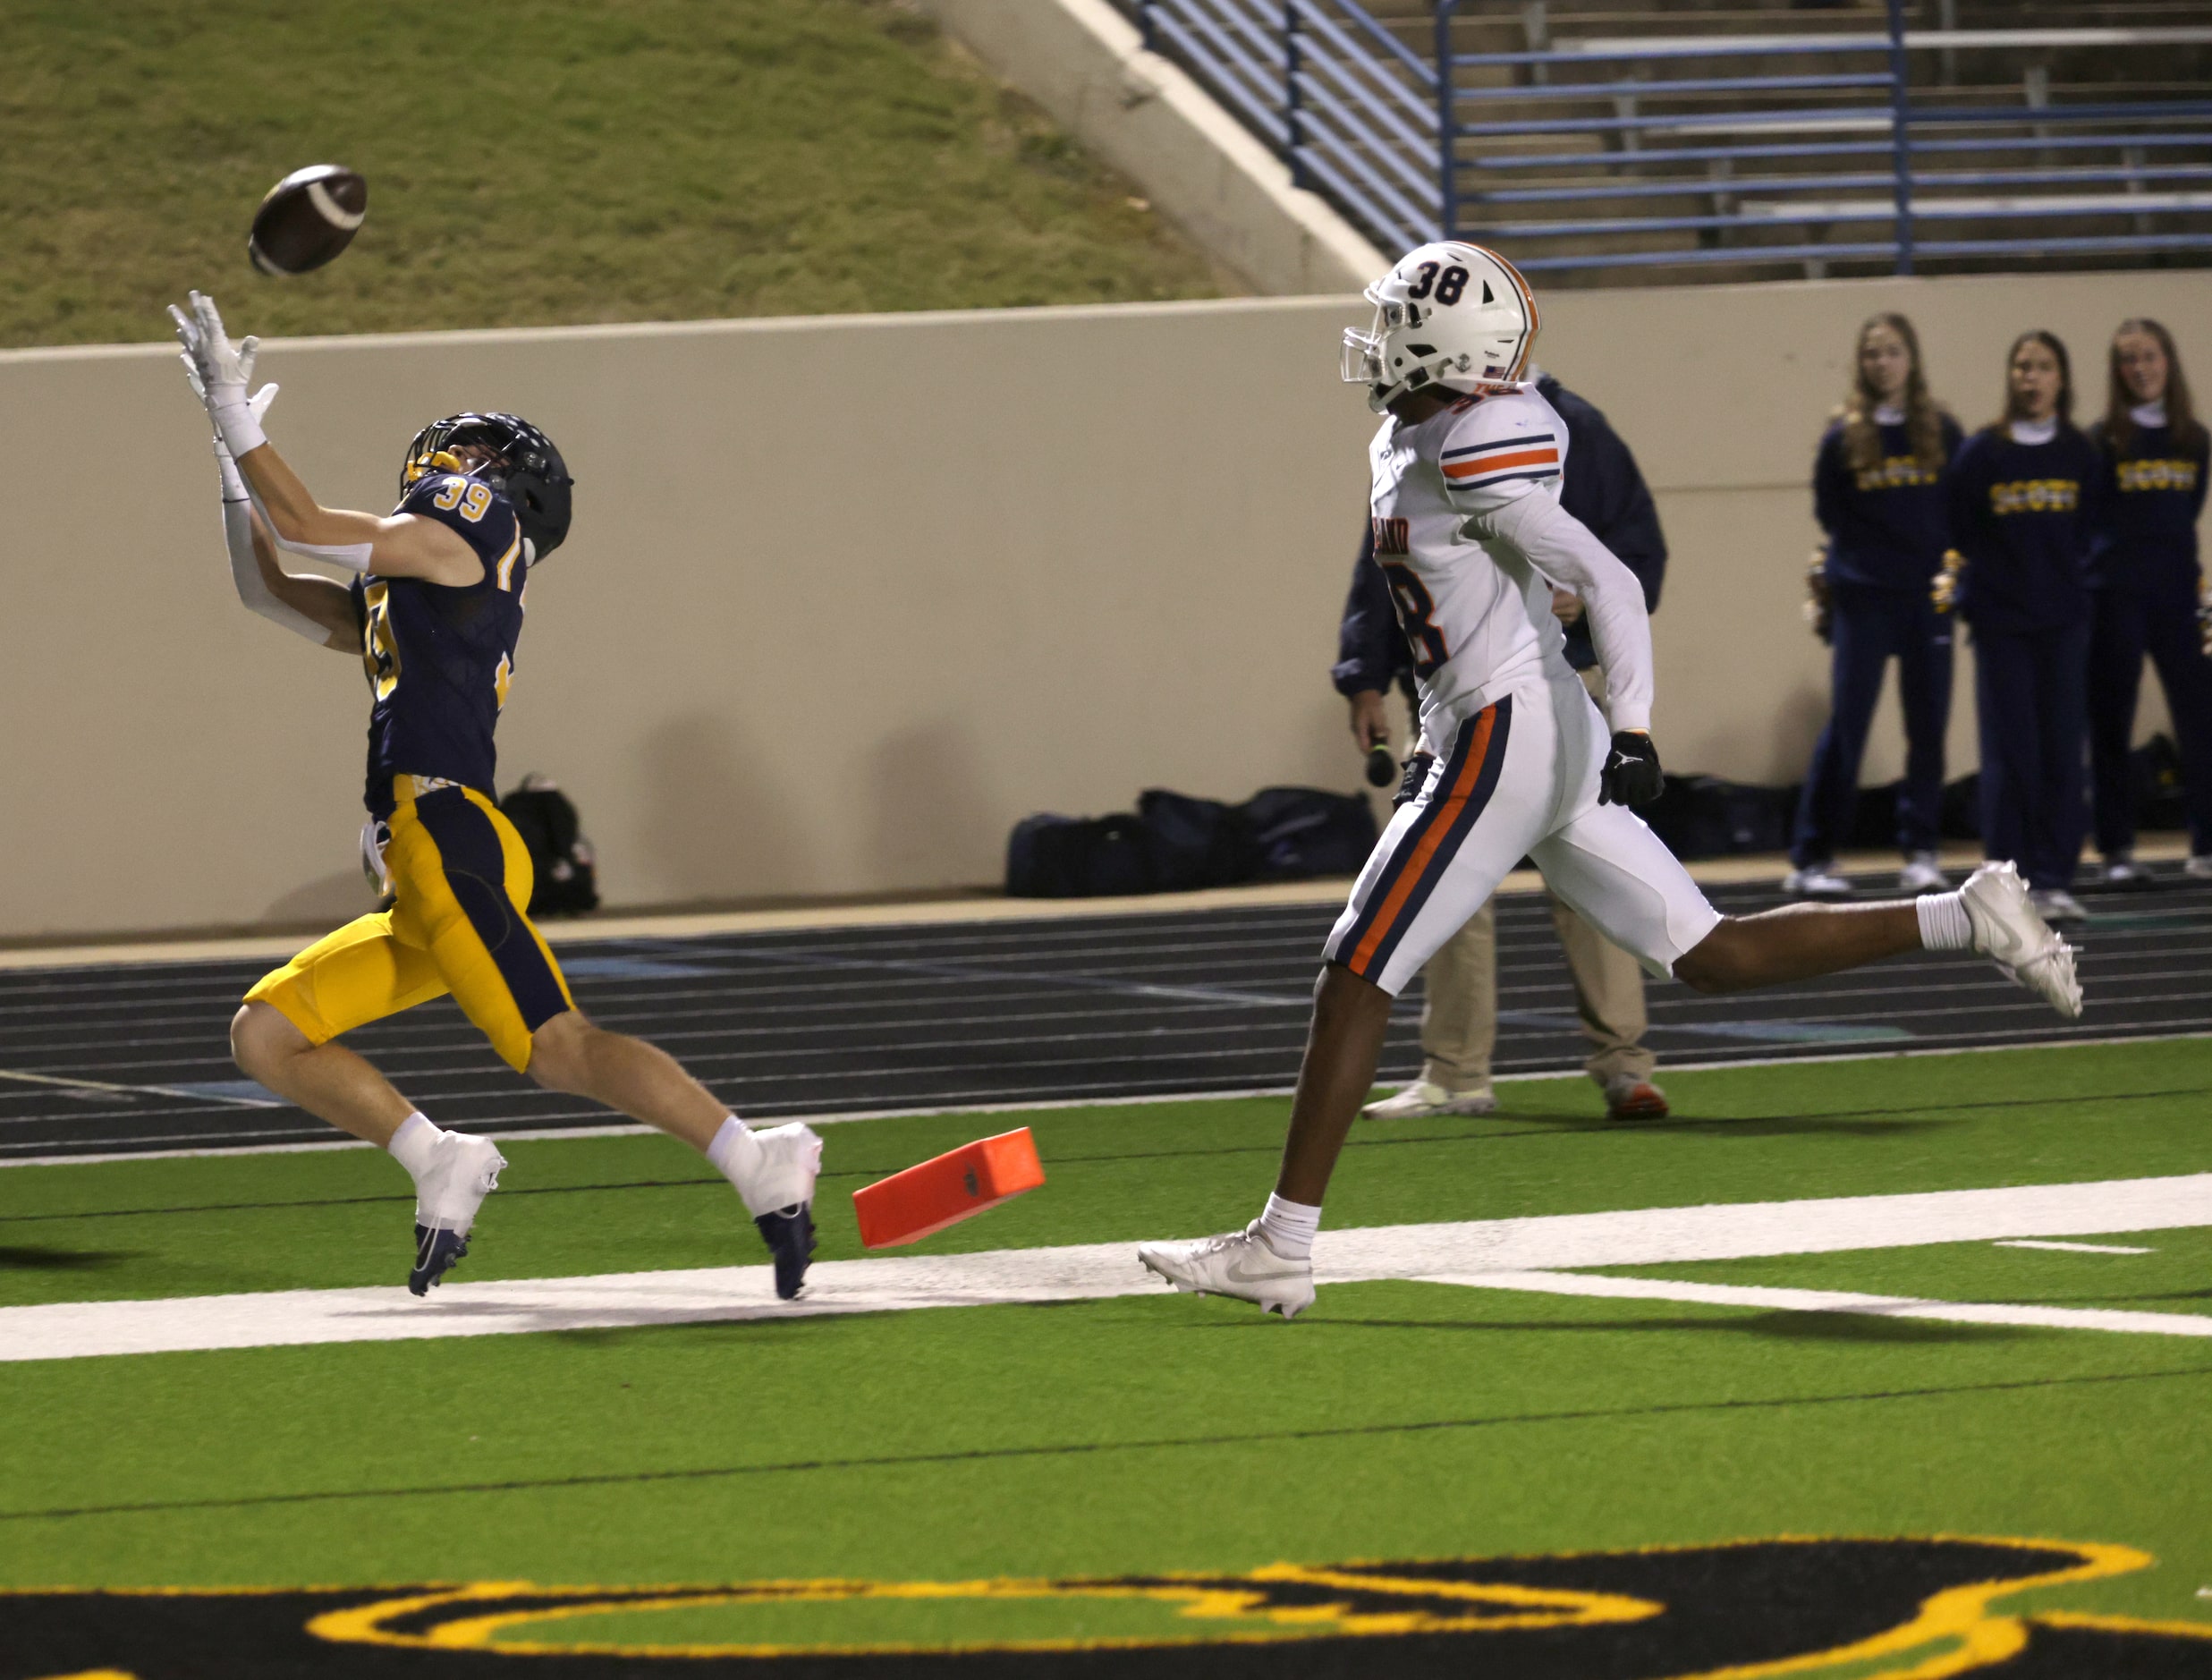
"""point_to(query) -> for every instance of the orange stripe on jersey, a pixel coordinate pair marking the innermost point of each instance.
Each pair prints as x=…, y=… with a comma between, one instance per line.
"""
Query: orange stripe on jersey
x=1409, y=877
x=1548, y=456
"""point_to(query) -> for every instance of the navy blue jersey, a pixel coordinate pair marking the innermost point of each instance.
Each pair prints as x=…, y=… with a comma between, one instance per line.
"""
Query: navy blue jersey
x=1887, y=524
x=440, y=656
x=2147, y=538
x=2023, y=515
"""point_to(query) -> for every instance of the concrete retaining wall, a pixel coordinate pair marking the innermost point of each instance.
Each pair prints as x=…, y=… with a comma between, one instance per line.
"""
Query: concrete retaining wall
x=846, y=598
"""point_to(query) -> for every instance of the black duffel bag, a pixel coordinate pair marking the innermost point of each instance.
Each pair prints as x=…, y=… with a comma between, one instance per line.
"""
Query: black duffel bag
x=1177, y=843
x=1297, y=832
x=1195, y=843
x=567, y=868
x=1705, y=816
x=1078, y=857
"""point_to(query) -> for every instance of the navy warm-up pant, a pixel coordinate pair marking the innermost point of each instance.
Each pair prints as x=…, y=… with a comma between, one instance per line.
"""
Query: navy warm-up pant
x=2030, y=688
x=2126, y=624
x=1870, y=627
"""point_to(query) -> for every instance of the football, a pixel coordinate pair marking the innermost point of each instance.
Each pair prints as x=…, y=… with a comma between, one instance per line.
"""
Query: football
x=308, y=219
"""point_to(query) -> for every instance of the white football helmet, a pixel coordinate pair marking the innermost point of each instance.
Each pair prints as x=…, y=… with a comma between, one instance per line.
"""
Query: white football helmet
x=1450, y=314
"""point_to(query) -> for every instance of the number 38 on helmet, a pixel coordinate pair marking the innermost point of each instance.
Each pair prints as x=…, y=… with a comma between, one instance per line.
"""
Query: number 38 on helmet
x=1450, y=314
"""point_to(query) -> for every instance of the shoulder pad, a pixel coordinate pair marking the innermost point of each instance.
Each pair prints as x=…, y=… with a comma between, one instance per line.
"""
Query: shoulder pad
x=1502, y=438
x=468, y=505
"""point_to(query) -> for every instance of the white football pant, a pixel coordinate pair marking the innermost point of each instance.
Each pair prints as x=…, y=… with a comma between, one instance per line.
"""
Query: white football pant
x=1517, y=779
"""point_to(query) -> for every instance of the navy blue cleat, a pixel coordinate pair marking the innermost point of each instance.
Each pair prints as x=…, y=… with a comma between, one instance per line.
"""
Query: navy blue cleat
x=789, y=1232
x=437, y=1251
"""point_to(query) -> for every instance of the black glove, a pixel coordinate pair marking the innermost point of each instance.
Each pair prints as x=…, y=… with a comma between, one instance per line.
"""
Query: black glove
x=1632, y=774
x=1417, y=768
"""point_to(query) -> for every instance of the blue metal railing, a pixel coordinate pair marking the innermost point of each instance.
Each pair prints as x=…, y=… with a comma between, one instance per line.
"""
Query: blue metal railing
x=1411, y=147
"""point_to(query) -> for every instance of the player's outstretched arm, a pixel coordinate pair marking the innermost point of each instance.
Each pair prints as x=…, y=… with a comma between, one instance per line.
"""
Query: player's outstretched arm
x=402, y=545
x=1560, y=547
x=308, y=606
x=311, y=606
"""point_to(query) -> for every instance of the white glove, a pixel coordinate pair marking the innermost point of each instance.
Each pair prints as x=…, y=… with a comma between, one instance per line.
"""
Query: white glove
x=223, y=372
x=257, y=405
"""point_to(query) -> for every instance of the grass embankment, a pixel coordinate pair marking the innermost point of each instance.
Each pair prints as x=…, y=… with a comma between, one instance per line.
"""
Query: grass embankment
x=546, y=161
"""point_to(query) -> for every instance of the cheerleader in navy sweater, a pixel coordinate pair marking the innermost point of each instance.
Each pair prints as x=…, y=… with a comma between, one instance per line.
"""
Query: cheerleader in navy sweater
x=2146, y=585
x=2024, y=497
x=1878, y=494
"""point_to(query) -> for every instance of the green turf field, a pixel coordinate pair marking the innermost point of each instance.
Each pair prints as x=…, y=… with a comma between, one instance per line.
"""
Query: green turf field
x=543, y=161
x=1136, y=1469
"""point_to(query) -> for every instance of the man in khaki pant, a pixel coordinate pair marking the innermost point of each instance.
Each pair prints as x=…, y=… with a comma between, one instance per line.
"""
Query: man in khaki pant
x=1606, y=491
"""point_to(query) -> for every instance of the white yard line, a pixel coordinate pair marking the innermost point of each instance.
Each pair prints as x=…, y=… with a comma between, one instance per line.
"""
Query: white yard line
x=1098, y=1270
x=1832, y=1301
x=2076, y=1248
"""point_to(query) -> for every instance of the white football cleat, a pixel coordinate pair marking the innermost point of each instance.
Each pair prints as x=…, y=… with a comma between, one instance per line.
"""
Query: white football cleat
x=1241, y=1264
x=1817, y=880
x=2007, y=930
x=1922, y=874
x=783, y=1175
x=1423, y=1099
x=465, y=1171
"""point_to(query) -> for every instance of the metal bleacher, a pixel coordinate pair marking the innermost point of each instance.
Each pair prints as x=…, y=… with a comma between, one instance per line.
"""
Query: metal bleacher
x=1602, y=140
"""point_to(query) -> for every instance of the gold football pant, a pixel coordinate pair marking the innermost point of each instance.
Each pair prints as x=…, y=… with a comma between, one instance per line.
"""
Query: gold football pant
x=461, y=879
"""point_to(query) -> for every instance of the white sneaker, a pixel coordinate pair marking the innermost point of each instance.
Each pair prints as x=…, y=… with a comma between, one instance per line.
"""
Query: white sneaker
x=1922, y=874
x=1423, y=1098
x=1817, y=880
x=465, y=1171
x=2008, y=928
x=2056, y=903
x=2121, y=873
x=2199, y=867
x=783, y=1175
x=1242, y=1264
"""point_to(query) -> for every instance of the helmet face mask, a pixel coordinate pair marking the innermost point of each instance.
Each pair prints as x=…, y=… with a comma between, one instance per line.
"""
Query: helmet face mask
x=1447, y=314
x=518, y=460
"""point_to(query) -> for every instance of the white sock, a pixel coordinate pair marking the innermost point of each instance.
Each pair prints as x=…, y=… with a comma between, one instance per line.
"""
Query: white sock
x=1289, y=1227
x=1944, y=926
x=736, y=1153
x=414, y=1145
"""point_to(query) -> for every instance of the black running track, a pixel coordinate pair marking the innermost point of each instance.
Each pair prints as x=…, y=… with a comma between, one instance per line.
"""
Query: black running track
x=122, y=1059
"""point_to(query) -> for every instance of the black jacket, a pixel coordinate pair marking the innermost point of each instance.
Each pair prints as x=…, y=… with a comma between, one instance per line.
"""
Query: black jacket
x=1603, y=489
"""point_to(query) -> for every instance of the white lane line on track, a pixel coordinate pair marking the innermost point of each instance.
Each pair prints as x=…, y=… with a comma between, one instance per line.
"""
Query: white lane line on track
x=1832, y=1301
x=531, y=1134
x=1095, y=1271
x=2076, y=1248
x=186, y=1092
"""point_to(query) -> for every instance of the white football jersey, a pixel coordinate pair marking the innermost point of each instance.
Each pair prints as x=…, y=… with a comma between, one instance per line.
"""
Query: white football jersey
x=1478, y=616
